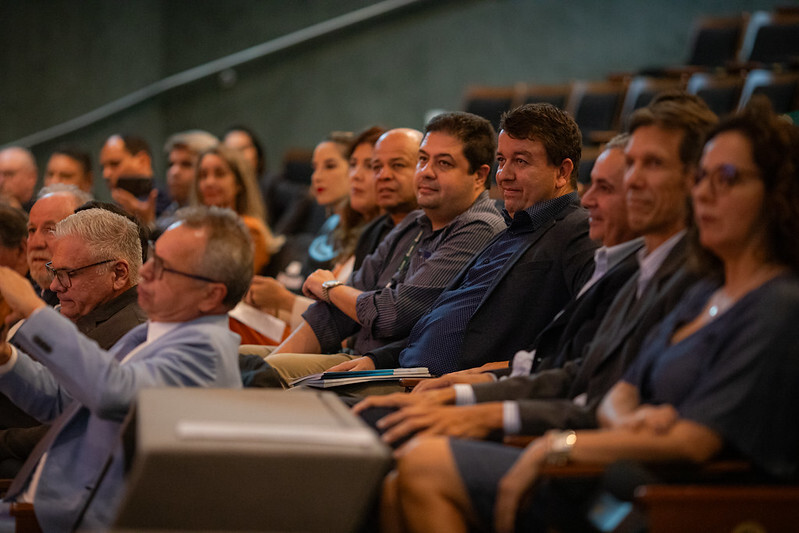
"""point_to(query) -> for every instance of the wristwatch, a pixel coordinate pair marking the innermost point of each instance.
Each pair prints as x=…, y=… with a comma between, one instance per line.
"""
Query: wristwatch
x=560, y=446
x=327, y=285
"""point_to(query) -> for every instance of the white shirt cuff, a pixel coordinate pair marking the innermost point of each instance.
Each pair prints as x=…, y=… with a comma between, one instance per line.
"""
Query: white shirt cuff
x=511, y=418
x=9, y=365
x=464, y=394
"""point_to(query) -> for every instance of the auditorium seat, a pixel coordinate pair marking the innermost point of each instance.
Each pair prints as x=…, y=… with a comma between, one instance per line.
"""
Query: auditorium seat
x=490, y=102
x=595, y=106
x=710, y=505
x=641, y=90
x=737, y=508
x=715, y=41
x=720, y=92
x=555, y=94
x=770, y=38
x=780, y=88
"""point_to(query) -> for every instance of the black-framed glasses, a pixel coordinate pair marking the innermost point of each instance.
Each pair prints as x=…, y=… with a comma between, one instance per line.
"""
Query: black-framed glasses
x=64, y=275
x=159, y=268
x=723, y=177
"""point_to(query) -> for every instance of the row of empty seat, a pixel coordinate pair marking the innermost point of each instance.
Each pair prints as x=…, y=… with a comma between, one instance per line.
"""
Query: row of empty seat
x=730, y=59
x=603, y=107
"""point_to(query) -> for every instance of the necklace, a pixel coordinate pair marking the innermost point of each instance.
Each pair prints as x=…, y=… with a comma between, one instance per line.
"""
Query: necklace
x=719, y=303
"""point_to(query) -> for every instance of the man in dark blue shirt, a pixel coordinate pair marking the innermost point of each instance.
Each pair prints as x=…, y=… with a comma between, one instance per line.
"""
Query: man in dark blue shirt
x=502, y=299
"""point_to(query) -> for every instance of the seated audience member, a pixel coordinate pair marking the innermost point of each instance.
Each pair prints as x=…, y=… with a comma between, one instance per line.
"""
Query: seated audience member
x=130, y=156
x=509, y=292
x=70, y=165
x=95, y=269
x=363, y=193
x=290, y=207
x=671, y=129
x=397, y=284
x=392, y=180
x=340, y=230
x=225, y=180
x=13, y=243
x=55, y=203
x=393, y=202
x=243, y=140
x=268, y=294
x=721, y=363
x=199, y=268
x=144, y=231
x=182, y=150
x=18, y=174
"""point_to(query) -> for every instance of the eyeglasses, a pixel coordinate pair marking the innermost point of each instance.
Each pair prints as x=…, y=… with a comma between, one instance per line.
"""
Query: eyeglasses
x=723, y=177
x=64, y=275
x=159, y=268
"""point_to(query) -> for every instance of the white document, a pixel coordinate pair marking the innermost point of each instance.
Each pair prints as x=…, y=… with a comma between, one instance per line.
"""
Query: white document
x=263, y=323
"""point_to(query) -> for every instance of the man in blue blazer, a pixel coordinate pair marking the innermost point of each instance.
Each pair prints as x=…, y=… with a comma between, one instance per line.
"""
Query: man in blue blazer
x=197, y=271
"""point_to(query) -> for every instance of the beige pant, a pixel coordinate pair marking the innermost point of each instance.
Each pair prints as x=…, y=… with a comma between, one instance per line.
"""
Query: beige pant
x=292, y=366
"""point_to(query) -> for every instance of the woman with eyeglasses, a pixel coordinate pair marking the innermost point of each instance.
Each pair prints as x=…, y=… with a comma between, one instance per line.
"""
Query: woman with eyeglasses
x=718, y=377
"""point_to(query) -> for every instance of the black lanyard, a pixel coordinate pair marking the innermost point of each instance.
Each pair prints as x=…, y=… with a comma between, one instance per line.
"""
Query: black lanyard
x=406, y=261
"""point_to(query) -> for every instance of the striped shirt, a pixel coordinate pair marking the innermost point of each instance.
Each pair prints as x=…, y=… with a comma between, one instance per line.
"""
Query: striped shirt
x=395, y=298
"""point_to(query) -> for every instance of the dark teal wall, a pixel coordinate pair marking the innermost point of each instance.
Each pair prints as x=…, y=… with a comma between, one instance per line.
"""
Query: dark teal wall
x=62, y=58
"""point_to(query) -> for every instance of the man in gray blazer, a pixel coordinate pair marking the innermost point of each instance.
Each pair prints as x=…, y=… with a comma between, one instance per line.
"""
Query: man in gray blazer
x=661, y=158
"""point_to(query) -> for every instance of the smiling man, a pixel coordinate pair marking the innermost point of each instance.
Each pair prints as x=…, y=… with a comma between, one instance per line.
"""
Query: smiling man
x=200, y=268
x=402, y=278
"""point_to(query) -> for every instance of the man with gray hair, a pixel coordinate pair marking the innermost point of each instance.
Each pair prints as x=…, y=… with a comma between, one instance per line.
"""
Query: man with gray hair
x=95, y=270
x=54, y=204
x=196, y=272
x=18, y=173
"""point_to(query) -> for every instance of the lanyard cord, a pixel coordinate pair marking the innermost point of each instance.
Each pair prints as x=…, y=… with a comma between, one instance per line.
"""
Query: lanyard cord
x=406, y=261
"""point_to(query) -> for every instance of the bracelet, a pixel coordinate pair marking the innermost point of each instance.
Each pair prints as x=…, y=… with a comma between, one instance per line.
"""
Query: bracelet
x=560, y=446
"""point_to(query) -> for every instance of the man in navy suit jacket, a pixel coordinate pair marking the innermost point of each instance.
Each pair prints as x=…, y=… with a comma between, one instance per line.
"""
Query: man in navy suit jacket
x=197, y=271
